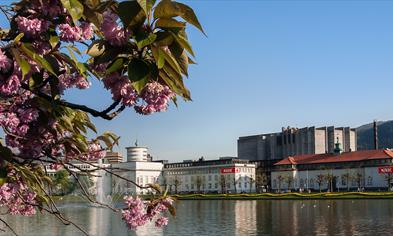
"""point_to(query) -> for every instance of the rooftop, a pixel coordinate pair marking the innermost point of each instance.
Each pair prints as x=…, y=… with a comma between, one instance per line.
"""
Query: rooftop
x=332, y=158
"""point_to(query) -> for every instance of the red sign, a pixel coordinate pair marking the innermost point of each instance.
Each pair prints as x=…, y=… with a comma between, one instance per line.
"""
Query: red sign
x=229, y=170
x=386, y=169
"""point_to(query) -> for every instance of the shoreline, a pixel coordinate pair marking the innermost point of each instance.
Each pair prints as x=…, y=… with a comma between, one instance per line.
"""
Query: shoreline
x=287, y=196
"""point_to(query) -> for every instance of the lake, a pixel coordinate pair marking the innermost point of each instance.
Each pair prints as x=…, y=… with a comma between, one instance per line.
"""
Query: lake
x=227, y=217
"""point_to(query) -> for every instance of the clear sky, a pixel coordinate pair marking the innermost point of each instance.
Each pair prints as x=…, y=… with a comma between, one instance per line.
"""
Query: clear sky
x=268, y=64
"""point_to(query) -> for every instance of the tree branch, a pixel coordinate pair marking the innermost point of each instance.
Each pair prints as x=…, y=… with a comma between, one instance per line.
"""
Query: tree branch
x=103, y=114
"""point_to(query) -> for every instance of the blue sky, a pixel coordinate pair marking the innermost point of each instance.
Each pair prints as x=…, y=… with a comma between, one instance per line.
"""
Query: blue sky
x=268, y=64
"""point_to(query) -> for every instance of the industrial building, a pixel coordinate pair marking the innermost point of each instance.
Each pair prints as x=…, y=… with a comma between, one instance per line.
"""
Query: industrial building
x=295, y=141
x=267, y=149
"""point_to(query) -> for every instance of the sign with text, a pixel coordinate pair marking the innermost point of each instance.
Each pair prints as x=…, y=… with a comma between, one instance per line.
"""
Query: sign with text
x=385, y=169
x=229, y=170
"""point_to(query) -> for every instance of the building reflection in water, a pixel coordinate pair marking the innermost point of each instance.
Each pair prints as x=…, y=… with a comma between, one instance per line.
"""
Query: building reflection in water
x=225, y=217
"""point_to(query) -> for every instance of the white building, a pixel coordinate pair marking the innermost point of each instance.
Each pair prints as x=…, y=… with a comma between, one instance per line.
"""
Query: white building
x=137, y=169
x=226, y=174
x=368, y=170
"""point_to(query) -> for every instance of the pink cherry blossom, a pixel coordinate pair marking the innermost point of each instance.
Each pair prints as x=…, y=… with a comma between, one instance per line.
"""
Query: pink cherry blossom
x=156, y=97
x=31, y=27
x=113, y=33
x=138, y=213
x=87, y=30
x=162, y=221
x=70, y=33
x=5, y=62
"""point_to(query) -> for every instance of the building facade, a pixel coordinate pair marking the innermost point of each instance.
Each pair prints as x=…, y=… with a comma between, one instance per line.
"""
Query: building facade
x=139, y=169
x=113, y=157
x=294, y=141
x=348, y=171
x=226, y=174
x=266, y=149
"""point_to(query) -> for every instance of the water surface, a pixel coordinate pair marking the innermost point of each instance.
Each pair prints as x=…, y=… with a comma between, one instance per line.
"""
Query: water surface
x=237, y=217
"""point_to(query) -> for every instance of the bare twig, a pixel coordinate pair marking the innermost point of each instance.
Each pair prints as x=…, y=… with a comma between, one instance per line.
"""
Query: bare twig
x=8, y=226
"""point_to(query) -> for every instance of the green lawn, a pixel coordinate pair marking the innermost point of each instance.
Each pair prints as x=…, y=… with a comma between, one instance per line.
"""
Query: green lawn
x=294, y=195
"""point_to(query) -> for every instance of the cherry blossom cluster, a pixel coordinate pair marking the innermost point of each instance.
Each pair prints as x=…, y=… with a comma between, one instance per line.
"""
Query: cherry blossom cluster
x=113, y=33
x=17, y=198
x=70, y=33
x=32, y=130
x=67, y=81
x=95, y=152
x=121, y=88
x=32, y=27
x=156, y=97
x=138, y=213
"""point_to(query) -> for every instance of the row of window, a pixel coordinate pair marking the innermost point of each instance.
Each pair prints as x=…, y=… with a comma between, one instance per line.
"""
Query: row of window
x=207, y=171
x=142, y=180
x=312, y=182
x=337, y=165
x=212, y=186
x=213, y=178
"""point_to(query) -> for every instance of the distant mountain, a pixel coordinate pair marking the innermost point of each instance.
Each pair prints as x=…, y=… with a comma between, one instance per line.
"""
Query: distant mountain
x=366, y=135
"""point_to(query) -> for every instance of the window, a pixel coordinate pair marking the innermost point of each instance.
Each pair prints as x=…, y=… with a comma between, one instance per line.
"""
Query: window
x=245, y=185
x=302, y=183
x=210, y=185
x=370, y=180
x=343, y=181
x=192, y=186
x=210, y=177
x=240, y=185
x=215, y=185
x=274, y=183
x=216, y=177
x=311, y=183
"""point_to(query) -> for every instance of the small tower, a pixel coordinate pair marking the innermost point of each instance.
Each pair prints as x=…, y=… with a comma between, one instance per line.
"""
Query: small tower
x=136, y=153
x=337, y=150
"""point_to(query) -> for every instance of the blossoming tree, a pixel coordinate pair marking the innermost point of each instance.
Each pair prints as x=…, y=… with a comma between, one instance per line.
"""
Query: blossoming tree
x=140, y=52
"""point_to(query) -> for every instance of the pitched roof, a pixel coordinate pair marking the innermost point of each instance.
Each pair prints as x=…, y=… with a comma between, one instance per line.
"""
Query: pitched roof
x=331, y=158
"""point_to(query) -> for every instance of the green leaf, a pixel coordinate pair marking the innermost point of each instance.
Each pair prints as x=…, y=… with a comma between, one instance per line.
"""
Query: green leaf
x=96, y=49
x=54, y=40
x=169, y=23
x=79, y=65
x=164, y=38
x=184, y=43
x=5, y=153
x=115, y=66
x=75, y=8
x=168, y=9
x=138, y=72
x=27, y=49
x=143, y=40
x=159, y=57
x=23, y=64
x=131, y=13
x=169, y=58
x=146, y=5
x=18, y=37
x=156, y=187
